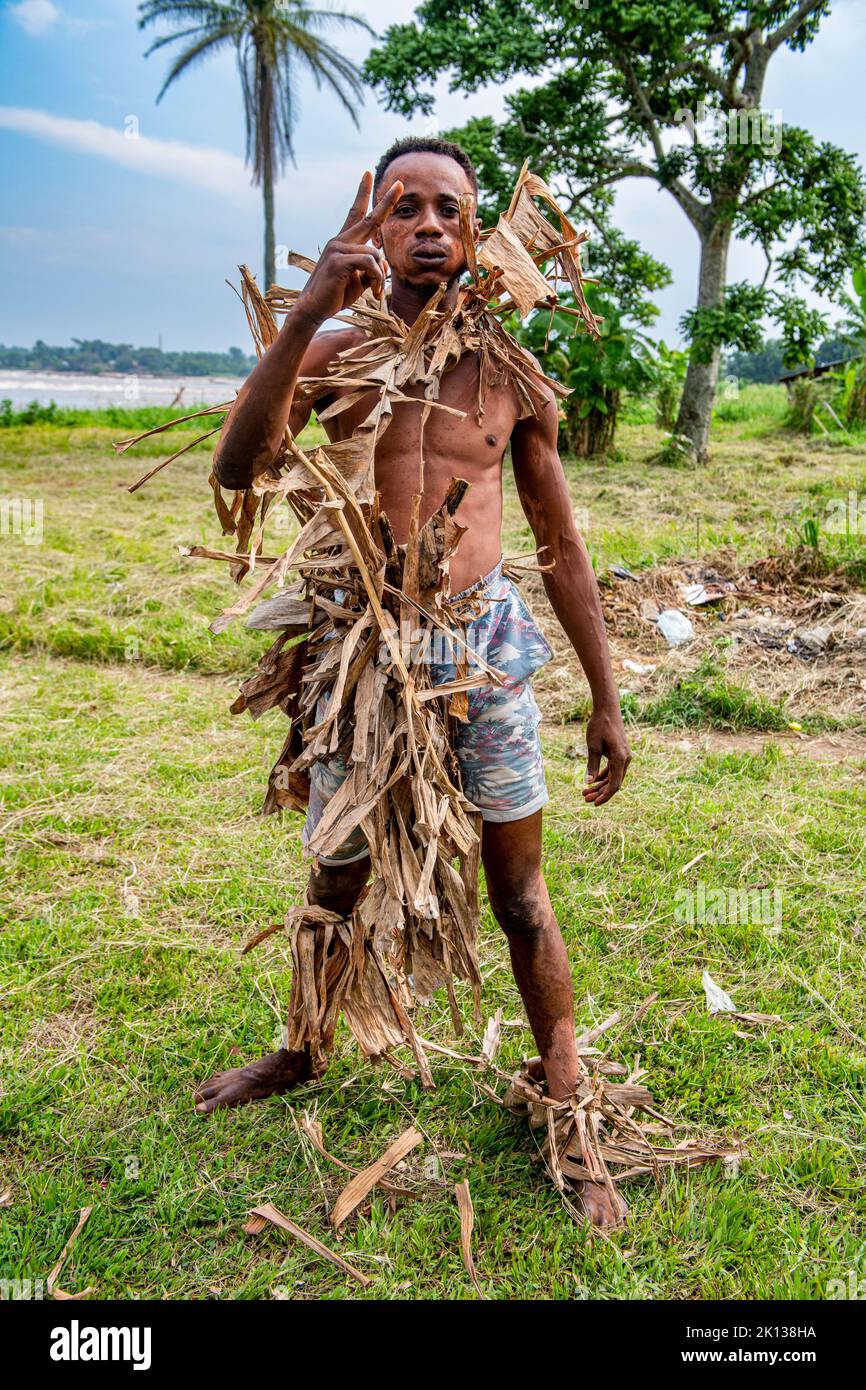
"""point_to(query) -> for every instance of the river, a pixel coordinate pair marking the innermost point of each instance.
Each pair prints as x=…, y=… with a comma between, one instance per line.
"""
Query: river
x=78, y=389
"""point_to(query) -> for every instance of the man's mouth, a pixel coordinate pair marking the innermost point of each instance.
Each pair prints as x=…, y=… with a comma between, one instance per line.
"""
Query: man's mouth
x=429, y=255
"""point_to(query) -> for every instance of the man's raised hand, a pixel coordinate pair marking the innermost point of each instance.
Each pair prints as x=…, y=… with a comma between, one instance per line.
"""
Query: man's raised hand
x=349, y=263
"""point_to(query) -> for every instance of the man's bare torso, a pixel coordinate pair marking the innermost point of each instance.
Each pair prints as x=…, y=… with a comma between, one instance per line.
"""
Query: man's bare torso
x=453, y=447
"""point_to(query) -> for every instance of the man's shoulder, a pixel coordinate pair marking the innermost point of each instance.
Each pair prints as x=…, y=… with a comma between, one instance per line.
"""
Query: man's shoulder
x=327, y=345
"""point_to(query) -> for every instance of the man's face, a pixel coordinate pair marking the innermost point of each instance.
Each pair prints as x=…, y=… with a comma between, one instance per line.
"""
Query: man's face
x=421, y=236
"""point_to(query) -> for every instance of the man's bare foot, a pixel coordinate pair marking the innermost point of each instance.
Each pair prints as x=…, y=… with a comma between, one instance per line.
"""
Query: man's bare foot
x=599, y=1207
x=277, y=1072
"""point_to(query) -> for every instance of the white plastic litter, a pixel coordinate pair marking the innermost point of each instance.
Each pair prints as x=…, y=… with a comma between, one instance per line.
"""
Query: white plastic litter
x=636, y=668
x=717, y=1001
x=675, y=627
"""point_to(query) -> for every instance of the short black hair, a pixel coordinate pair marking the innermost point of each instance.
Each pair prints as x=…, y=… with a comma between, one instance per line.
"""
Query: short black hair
x=426, y=144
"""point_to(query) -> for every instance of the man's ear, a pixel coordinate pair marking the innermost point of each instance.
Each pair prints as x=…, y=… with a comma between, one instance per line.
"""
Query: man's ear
x=376, y=237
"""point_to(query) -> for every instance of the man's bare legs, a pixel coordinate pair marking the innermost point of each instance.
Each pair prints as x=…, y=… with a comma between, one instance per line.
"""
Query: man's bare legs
x=511, y=852
x=338, y=888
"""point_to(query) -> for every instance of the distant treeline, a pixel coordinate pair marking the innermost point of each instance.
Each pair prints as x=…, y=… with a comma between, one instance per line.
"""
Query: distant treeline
x=767, y=365
x=94, y=356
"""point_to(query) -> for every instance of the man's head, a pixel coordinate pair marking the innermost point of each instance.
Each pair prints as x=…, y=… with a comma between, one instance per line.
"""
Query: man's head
x=421, y=236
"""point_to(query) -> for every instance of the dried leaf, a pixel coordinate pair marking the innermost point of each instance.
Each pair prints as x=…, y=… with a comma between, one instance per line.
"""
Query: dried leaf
x=51, y=1282
x=268, y=1212
x=467, y=1223
x=363, y=1183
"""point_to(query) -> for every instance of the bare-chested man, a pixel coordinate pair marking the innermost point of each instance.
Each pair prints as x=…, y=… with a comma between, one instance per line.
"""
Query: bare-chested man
x=413, y=230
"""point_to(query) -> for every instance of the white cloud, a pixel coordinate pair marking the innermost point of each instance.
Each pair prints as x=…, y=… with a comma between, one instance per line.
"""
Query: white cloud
x=198, y=166
x=35, y=16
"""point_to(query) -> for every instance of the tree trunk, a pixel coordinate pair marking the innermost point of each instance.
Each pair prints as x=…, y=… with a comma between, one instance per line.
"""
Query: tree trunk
x=593, y=435
x=696, y=405
x=268, y=202
x=265, y=164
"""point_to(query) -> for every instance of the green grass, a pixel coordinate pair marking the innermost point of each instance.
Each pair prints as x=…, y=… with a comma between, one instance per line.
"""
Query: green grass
x=130, y=419
x=707, y=698
x=137, y=866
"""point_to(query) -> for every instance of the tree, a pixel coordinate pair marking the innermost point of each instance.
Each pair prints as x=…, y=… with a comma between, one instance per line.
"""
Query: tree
x=272, y=40
x=672, y=93
x=597, y=372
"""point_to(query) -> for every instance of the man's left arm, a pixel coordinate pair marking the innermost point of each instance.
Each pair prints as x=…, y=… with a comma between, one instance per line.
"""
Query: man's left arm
x=573, y=592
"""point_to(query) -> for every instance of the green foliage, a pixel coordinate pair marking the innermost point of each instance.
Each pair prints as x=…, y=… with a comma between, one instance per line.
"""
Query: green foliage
x=736, y=322
x=752, y=403
x=801, y=327
x=629, y=274
x=610, y=81
x=272, y=40
x=824, y=548
x=854, y=394
x=670, y=368
x=596, y=372
x=767, y=364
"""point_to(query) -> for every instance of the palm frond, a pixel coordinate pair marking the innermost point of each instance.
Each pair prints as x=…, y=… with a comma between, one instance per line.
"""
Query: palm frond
x=194, y=54
x=200, y=12
x=323, y=18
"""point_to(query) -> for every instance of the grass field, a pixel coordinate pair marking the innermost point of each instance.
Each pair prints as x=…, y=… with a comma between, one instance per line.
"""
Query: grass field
x=136, y=865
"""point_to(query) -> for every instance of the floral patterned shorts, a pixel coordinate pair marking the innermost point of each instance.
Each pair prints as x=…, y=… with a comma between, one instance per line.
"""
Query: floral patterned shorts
x=498, y=748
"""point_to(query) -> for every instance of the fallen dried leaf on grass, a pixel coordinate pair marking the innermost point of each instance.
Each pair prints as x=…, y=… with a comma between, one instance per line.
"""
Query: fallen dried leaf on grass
x=260, y=1216
x=467, y=1224
x=311, y=1127
x=363, y=1183
x=51, y=1282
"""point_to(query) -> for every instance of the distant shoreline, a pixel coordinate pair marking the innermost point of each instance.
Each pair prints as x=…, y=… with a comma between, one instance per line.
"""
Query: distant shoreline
x=164, y=375
x=93, y=390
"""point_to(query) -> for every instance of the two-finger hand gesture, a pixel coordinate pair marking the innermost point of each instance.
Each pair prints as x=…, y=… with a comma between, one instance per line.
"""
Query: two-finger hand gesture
x=350, y=263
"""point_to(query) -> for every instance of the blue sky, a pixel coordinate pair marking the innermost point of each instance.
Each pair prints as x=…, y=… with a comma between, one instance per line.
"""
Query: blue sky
x=102, y=235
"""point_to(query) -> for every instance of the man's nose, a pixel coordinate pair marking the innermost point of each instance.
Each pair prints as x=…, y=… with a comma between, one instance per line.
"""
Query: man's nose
x=429, y=224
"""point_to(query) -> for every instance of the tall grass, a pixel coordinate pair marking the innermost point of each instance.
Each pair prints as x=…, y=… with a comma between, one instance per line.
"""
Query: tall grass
x=142, y=417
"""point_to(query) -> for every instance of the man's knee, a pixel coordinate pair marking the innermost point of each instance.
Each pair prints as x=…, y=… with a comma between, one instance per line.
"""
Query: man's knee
x=520, y=903
x=338, y=886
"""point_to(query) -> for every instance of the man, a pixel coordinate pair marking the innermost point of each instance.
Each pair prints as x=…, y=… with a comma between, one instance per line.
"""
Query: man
x=413, y=231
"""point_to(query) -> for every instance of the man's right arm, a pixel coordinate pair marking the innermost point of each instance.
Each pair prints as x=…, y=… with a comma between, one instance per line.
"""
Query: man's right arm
x=255, y=427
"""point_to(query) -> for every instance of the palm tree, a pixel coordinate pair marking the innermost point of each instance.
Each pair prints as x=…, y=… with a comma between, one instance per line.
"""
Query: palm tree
x=272, y=40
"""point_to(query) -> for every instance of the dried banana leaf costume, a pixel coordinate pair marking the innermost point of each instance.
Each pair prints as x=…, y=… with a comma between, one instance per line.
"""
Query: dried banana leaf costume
x=342, y=629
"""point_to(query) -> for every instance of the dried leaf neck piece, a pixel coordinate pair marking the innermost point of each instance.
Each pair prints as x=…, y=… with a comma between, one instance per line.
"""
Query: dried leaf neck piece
x=340, y=632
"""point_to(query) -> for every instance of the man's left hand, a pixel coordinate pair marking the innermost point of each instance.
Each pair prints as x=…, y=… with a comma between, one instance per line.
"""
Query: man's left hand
x=605, y=738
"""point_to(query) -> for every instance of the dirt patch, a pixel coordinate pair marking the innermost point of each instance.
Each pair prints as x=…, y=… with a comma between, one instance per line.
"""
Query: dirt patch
x=823, y=748
x=778, y=630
